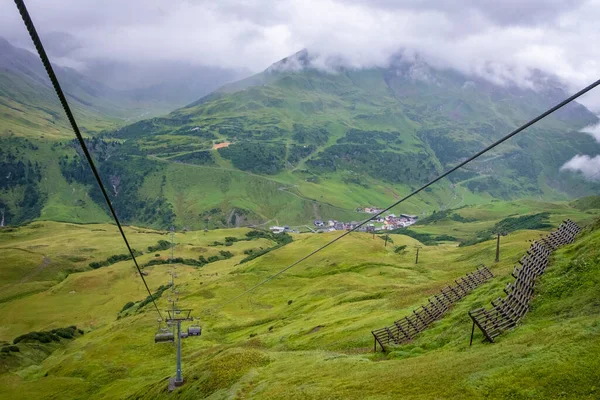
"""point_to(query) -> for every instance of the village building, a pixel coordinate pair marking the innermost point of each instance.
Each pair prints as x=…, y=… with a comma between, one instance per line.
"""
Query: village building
x=280, y=229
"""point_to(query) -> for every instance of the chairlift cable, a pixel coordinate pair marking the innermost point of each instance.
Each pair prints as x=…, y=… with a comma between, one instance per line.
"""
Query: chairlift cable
x=63, y=100
x=445, y=174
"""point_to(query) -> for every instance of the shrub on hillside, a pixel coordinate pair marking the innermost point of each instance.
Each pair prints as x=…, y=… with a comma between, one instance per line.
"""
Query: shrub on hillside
x=127, y=305
x=48, y=336
x=425, y=238
x=161, y=245
x=155, y=295
x=114, y=259
x=400, y=249
x=226, y=254
x=280, y=238
x=176, y=260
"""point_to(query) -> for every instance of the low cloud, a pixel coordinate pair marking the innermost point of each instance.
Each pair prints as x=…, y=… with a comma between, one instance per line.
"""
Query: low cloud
x=593, y=130
x=588, y=166
x=503, y=41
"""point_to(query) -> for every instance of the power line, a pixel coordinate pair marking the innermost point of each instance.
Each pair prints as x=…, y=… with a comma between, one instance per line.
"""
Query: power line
x=63, y=101
x=451, y=170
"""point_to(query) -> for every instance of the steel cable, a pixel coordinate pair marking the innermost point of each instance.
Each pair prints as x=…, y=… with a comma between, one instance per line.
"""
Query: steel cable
x=63, y=101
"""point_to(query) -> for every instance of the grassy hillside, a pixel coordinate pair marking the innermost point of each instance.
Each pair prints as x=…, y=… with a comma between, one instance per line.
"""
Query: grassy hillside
x=305, y=334
x=389, y=125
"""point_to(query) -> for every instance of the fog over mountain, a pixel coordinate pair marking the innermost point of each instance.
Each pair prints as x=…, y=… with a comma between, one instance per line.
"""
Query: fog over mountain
x=502, y=41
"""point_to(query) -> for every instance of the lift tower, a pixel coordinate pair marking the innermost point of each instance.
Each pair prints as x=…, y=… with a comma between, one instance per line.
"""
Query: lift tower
x=176, y=316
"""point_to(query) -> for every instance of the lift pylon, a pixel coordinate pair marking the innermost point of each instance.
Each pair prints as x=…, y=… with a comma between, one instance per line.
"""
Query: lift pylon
x=177, y=316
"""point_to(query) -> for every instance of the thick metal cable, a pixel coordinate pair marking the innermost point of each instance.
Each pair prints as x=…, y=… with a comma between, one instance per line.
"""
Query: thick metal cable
x=63, y=101
x=445, y=174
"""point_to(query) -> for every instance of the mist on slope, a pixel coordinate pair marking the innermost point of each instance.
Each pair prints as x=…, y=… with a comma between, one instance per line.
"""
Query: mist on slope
x=504, y=42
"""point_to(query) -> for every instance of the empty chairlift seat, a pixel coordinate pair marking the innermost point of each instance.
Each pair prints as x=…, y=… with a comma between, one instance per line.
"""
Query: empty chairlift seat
x=194, y=330
x=165, y=336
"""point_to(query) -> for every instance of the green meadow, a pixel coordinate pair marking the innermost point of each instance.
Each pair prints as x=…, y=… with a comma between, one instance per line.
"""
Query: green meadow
x=306, y=333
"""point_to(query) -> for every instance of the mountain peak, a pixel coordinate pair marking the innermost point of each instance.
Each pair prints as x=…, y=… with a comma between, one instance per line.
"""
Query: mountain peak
x=296, y=62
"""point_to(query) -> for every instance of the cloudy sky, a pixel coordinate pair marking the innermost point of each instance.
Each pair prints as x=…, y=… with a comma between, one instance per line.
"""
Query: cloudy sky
x=501, y=40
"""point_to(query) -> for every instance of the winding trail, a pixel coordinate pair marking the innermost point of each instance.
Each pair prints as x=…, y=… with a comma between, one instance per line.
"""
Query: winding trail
x=45, y=262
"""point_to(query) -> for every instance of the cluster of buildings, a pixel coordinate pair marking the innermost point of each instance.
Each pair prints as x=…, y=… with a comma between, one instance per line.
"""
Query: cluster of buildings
x=388, y=222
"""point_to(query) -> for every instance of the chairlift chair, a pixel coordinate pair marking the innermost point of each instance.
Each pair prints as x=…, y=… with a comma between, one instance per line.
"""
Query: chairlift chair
x=164, y=336
x=195, y=330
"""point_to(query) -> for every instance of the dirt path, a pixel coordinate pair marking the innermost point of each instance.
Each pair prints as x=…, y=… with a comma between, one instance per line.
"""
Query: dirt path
x=220, y=145
x=45, y=262
x=316, y=210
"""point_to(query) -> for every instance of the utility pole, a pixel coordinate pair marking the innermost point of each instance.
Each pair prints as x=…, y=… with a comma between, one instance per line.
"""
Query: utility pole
x=417, y=258
x=498, y=245
x=498, y=248
x=172, y=243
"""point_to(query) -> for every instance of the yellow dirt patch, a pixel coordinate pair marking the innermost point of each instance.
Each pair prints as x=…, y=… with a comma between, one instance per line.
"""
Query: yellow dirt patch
x=221, y=145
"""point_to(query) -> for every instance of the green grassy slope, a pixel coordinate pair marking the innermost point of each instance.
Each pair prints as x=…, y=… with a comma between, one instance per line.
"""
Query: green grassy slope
x=305, y=334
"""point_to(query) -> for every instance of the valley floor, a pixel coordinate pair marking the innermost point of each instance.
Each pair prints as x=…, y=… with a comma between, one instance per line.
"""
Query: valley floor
x=305, y=334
